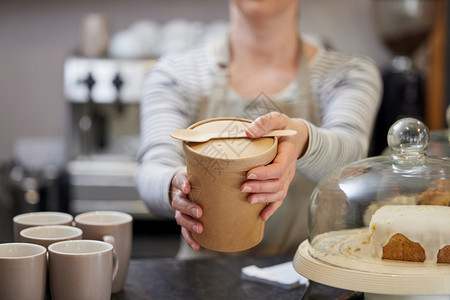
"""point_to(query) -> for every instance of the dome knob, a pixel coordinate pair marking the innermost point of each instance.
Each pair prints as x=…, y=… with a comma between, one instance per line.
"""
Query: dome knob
x=408, y=135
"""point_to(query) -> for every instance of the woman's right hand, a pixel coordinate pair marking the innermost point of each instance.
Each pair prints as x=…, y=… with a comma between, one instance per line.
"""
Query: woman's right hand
x=185, y=209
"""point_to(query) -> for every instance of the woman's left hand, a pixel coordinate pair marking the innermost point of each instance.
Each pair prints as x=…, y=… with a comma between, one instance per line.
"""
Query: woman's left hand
x=270, y=183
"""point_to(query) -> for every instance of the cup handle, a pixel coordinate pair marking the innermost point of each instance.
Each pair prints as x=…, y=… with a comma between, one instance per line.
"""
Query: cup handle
x=115, y=265
x=110, y=239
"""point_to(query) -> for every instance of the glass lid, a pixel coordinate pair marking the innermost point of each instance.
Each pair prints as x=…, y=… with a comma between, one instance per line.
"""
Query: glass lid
x=348, y=197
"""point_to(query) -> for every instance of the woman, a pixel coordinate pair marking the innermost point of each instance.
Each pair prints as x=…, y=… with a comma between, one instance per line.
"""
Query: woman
x=261, y=70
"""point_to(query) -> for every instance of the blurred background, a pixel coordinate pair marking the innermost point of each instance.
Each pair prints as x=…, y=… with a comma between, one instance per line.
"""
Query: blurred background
x=72, y=72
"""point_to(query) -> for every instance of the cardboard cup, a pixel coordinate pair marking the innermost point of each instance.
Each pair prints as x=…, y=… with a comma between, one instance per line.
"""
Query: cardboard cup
x=22, y=271
x=216, y=170
x=81, y=269
x=113, y=227
x=47, y=235
x=41, y=218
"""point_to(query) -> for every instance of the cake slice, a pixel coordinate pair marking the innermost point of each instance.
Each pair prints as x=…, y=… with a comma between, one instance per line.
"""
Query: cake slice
x=411, y=233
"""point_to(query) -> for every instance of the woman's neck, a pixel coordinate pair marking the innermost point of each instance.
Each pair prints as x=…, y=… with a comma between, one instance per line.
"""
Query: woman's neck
x=264, y=50
x=260, y=39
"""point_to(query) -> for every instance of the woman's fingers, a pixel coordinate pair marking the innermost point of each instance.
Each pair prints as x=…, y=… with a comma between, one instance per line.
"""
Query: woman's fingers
x=180, y=181
x=258, y=186
x=283, y=167
x=185, y=209
x=274, y=171
x=189, y=240
x=267, y=197
x=269, y=210
x=181, y=203
x=269, y=184
x=277, y=120
x=188, y=223
x=267, y=122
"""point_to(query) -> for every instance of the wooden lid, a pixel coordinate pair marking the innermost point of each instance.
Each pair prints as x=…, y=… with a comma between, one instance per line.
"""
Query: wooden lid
x=230, y=148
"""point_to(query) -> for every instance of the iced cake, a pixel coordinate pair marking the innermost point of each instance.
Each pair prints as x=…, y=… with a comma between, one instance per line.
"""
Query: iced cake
x=418, y=233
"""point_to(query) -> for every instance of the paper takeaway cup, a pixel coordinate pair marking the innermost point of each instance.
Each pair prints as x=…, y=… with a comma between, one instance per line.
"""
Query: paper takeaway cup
x=216, y=170
x=22, y=271
x=41, y=218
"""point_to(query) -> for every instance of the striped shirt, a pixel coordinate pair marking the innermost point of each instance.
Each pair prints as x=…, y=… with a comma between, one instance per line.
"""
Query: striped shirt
x=347, y=89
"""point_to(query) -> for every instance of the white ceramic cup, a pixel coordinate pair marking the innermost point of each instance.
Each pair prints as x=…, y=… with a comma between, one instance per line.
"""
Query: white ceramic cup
x=23, y=270
x=114, y=227
x=47, y=235
x=95, y=34
x=81, y=269
x=41, y=218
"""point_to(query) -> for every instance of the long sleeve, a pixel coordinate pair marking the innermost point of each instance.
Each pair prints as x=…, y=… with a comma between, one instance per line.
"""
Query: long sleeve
x=169, y=102
x=349, y=98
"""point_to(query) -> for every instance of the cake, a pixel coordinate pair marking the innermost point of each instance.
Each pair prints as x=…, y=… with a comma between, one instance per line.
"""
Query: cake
x=437, y=194
x=419, y=233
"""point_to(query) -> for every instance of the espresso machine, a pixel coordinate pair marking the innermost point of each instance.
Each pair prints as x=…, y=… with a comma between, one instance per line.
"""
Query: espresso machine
x=103, y=133
x=403, y=26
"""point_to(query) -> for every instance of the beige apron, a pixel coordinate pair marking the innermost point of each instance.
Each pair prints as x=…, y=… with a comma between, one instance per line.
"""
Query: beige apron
x=287, y=227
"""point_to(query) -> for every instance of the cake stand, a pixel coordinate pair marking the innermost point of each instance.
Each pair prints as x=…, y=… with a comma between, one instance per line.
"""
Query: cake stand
x=338, y=252
x=343, y=259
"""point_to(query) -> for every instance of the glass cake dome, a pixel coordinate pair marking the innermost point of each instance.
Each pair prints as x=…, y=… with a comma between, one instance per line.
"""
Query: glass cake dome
x=337, y=251
x=347, y=197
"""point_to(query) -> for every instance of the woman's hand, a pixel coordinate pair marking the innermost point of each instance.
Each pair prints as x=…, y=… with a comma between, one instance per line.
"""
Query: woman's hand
x=184, y=208
x=269, y=184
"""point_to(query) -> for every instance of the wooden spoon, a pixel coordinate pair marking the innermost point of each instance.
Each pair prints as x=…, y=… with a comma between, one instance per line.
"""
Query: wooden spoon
x=192, y=135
